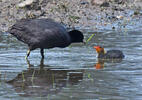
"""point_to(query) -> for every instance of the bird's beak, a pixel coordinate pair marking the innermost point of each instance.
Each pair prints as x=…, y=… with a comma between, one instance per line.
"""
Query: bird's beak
x=95, y=47
x=84, y=42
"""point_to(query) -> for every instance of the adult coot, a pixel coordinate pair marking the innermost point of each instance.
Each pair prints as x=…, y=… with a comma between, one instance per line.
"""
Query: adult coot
x=111, y=54
x=44, y=34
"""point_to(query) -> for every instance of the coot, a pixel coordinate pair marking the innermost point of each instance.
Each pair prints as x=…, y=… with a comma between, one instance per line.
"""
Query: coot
x=110, y=54
x=44, y=34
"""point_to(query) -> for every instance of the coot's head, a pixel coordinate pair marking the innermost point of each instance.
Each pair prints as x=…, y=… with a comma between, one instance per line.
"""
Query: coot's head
x=76, y=36
x=99, y=50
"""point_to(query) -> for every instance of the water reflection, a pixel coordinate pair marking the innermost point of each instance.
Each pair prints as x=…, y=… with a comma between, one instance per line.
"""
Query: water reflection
x=101, y=62
x=99, y=65
x=42, y=80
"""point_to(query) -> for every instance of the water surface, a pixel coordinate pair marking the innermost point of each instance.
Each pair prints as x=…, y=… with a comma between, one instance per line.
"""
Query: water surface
x=72, y=73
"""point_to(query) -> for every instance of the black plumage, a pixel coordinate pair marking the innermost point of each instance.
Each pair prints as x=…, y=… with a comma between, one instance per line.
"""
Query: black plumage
x=44, y=34
x=110, y=54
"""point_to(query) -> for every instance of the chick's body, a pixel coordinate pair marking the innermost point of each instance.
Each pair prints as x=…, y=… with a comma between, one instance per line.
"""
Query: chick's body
x=110, y=54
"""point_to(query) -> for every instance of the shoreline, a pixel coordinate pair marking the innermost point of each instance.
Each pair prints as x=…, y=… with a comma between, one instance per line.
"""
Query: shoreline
x=80, y=13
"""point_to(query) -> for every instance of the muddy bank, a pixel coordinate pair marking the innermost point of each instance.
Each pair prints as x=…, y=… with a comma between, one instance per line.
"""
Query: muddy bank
x=92, y=14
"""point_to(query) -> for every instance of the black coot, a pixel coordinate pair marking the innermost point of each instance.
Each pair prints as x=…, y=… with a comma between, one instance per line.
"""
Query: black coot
x=44, y=34
x=110, y=54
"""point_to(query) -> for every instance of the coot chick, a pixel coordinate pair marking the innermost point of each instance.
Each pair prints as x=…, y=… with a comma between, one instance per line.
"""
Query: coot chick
x=110, y=54
x=44, y=34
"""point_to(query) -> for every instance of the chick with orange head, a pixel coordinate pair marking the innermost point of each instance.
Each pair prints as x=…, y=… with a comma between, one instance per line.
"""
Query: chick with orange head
x=110, y=54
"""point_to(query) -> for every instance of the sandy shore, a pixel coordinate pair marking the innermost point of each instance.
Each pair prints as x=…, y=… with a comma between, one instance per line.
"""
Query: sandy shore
x=91, y=14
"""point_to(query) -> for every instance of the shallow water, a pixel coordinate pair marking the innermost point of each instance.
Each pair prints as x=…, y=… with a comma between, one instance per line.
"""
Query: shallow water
x=72, y=73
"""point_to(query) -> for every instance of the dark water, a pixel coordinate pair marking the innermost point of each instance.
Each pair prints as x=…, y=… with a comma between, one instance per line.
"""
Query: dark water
x=72, y=73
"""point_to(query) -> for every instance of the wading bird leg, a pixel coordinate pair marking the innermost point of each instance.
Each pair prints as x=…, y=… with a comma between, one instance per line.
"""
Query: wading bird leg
x=42, y=53
x=41, y=63
x=28, y=53
x=28, y=63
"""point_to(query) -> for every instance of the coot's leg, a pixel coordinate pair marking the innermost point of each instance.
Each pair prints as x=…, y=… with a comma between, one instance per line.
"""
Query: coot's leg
x=41, y=63
x=28, y=53
x=28, y=63
x=42, y=53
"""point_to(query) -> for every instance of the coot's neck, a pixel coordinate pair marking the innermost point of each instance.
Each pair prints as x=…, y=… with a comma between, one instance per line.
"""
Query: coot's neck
x=76, y=36
x=101, y=55
x=73, y=40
